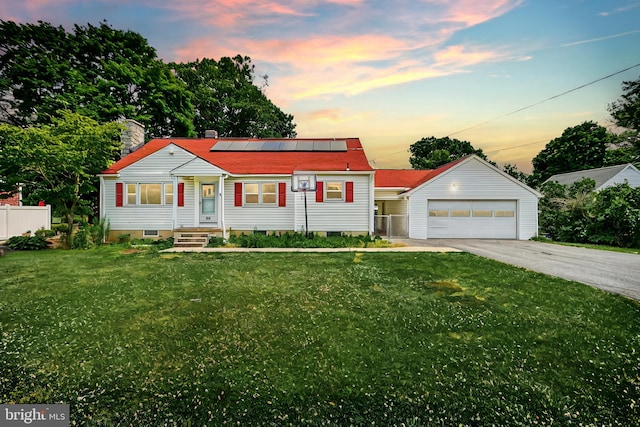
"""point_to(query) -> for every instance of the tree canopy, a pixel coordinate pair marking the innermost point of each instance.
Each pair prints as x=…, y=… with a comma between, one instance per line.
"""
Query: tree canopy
x=97, y=71
x=626, y=110
x=109, y=74
x=227, y=100
x=579, y=147
x=58, y=162
x=431, y=152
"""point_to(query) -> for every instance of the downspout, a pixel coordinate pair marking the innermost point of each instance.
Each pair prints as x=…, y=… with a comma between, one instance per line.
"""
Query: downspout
x=101, y=199
x=372, y=197
x=174, y=209
x=221, y=202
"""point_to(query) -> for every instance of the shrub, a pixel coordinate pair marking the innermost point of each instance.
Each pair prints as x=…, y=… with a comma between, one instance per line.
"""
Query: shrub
x=578, y=215
x=60, y=228
x=157, y=244
x=45, y=233
x=81, y=239
x=27, y=243
x=300, y=240
x=216, y=242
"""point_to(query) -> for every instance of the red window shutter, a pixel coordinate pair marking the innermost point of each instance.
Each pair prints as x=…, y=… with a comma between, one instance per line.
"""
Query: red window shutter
x=238, y=194
x=282, y=194
x=349, y=192
x=119, y=194
x=181, y=194
x=319, y=192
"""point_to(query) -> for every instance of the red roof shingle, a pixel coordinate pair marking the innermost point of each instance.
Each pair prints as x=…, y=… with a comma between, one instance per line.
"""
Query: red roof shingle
x=258, y=162
x=410, y=178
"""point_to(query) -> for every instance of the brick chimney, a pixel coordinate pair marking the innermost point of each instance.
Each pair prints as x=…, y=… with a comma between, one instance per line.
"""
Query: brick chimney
x=132, y=137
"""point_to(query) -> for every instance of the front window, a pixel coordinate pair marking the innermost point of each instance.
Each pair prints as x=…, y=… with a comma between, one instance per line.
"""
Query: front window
x=132, y=191
x=150, y=194
x=260, y=193
x=334, y=191
x=168, y=194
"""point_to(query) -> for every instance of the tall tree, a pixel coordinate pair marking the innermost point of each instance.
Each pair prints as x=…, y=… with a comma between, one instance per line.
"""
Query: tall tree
x=227, y=100
x=626, y=114
x=515, y=172
x=626, y=111
x=431, y=152
x=98, y=71
x=579, y=147
x=58, y=162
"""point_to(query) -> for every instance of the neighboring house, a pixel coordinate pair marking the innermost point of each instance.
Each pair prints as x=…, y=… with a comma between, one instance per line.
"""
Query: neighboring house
x=604, y=177
x=234, y=185
x=467, y=198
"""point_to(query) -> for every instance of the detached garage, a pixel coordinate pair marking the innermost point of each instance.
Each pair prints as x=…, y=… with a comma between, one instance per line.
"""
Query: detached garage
x=468, y=198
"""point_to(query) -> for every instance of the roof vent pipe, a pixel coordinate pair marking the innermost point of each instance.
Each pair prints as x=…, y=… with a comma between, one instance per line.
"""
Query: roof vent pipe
x=210, y=133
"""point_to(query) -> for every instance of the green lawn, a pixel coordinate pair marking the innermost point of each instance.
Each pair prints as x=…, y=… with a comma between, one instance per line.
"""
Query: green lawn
x=408, y=339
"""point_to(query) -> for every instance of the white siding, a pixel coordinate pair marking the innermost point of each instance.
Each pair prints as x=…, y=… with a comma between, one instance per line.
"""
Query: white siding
x=135, y=217
x=269, y=218
x=337, y=215
x=630, y=175
x=151, y=169
x=156, y=165
x=186, y=214
x=197, y=166
x=473, y=179
x=387, y=194
x=325, y=216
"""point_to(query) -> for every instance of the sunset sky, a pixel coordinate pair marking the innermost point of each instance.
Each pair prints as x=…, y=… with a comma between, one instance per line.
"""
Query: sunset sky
x=391, y=72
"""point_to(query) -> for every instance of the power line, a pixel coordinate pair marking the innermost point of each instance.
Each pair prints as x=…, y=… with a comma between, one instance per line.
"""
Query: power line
x=522, y=109
x=516, y=146
x=546, y=100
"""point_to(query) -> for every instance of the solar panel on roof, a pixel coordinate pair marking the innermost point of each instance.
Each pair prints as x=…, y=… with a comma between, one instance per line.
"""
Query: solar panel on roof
x=288, y=145
x=271, y=146
x=339, y=145
x=284, y=145
x=221, y=146
x=321, y=146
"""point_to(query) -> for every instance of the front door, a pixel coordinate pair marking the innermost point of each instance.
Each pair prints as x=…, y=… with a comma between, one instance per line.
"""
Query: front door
x=208, y=203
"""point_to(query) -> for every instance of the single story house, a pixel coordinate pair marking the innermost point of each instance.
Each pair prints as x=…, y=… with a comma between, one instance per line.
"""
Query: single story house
x=467, y=198
x=604, y=177
x=194, y=188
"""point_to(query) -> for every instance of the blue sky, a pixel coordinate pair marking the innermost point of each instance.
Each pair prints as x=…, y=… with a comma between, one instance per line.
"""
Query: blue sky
x=392, y=72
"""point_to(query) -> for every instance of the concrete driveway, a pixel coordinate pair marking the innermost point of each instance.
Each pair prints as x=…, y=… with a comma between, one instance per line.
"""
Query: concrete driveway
x=610, y=271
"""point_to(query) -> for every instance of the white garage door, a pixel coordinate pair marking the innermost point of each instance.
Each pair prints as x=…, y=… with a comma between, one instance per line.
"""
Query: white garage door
x=479, y=219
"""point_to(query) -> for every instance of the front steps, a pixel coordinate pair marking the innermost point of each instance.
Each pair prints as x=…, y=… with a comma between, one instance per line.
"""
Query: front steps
x=194, y=237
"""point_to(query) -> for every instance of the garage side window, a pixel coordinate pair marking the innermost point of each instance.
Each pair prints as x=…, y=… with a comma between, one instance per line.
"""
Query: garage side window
x=504, y=214
x=460, y=213
x=439, y=212
x=482, y=213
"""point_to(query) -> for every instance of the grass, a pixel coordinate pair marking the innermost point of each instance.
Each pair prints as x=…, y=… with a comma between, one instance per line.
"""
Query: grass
x=592, y=246
x=135, y=337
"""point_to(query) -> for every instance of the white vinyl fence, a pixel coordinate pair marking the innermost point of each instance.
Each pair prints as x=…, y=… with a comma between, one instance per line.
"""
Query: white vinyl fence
x=16, y=220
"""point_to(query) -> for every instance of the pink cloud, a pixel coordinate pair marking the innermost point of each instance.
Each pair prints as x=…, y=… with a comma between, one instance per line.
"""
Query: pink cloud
x=473, y=12
x=228, y=13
